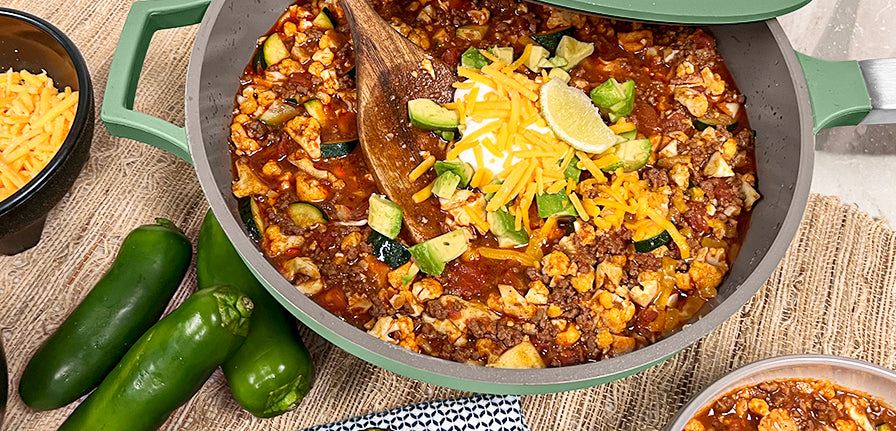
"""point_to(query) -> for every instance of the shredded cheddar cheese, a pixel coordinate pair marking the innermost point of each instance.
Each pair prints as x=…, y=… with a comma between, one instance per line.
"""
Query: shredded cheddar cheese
x=35, y=118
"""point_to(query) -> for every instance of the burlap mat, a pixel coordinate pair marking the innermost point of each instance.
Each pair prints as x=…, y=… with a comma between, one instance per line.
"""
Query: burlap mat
x=833, y=293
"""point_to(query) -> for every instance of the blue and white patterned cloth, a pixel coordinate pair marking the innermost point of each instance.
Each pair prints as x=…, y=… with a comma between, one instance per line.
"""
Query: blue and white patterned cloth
x=478, y=413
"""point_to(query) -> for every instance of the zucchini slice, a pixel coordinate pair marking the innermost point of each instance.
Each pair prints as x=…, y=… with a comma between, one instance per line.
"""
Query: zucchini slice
x=384, y=216
x=719, y=120
x=279, y=112
x=306, y=215
x=388, y=250
x=653, y=242
x=428, y=115
x=250, y=213
x=258, y=62
x=274, y=50
x=316, y=110
x=551, y=39
x=337, y=149
x=324, y=20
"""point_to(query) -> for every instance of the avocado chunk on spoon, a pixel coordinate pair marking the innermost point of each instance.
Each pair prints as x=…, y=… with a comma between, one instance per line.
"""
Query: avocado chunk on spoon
x=390, y=71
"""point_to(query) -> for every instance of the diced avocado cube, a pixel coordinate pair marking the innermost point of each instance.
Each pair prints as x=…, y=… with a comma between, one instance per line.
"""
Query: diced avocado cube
x=572, y=172
x=558, y=73
x=473, y=59
x=558, y=61
x=537, y=54
x=431, y=256
x=633, y=155
x=502, y=225
x=573, y=51
x=504, y=53
x=556, y=205
x=457, y=167
x=384, y=216
x=445, y=185
x=428, y=115
x=607, y=94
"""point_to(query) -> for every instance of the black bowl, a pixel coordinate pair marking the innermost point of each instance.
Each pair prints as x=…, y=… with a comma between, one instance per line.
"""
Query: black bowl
x=28, y=42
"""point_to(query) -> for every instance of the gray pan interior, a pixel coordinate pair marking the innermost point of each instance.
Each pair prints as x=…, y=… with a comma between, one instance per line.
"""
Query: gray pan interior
x=767, y=72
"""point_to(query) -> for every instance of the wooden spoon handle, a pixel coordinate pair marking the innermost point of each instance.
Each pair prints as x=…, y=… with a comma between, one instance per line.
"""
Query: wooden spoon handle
x=391, y=70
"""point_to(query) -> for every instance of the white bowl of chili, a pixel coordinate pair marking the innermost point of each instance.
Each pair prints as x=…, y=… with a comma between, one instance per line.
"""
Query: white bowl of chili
x=800, y=385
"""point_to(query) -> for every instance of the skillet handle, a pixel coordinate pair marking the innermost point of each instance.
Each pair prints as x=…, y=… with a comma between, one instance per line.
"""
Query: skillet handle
x=837, y=91
x=144, y=19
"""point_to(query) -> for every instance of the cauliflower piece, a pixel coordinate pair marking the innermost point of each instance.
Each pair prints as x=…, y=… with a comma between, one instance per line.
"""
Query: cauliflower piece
x=538, y=293
x=396, y=275
x=670, y=150
x=680, y=174
x=706, y=277
x=583, y=282
x=609, y=271
x=778, y=420
x=684, y=68
x=716, y=167
x=570, y=336
x=241, y=140
x=644, y=294
x=312, y=284
x=309, y=189
x=694, y=100
x=750, y=194
x=306, y=132
x=694, y=425
x=758, y=406
x=427, y=289
x=712, y=81
x=358, y=304
x=456, y=208
x=729, y=148
x=469, y=311
x=398, y=331
x=248, y=183
x=636, y=40
x=445, y=327
x=324, y=56
x=515, y=304
x=555, y=264
x=523, y=355
x=278, y=243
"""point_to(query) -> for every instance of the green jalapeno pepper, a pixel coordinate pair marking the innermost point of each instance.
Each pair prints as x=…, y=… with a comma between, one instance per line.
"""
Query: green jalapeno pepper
x=271, y=373
x=168, y=364
x=129, y=299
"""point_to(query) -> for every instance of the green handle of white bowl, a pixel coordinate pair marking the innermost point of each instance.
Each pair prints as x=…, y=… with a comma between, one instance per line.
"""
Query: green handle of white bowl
x=144, y=19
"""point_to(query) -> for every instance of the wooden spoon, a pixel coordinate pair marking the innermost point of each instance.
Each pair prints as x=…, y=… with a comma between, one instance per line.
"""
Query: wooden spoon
x=390, y=71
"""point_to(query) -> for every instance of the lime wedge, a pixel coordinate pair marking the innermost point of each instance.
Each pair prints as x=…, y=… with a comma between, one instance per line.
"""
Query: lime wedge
x=573, y=118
